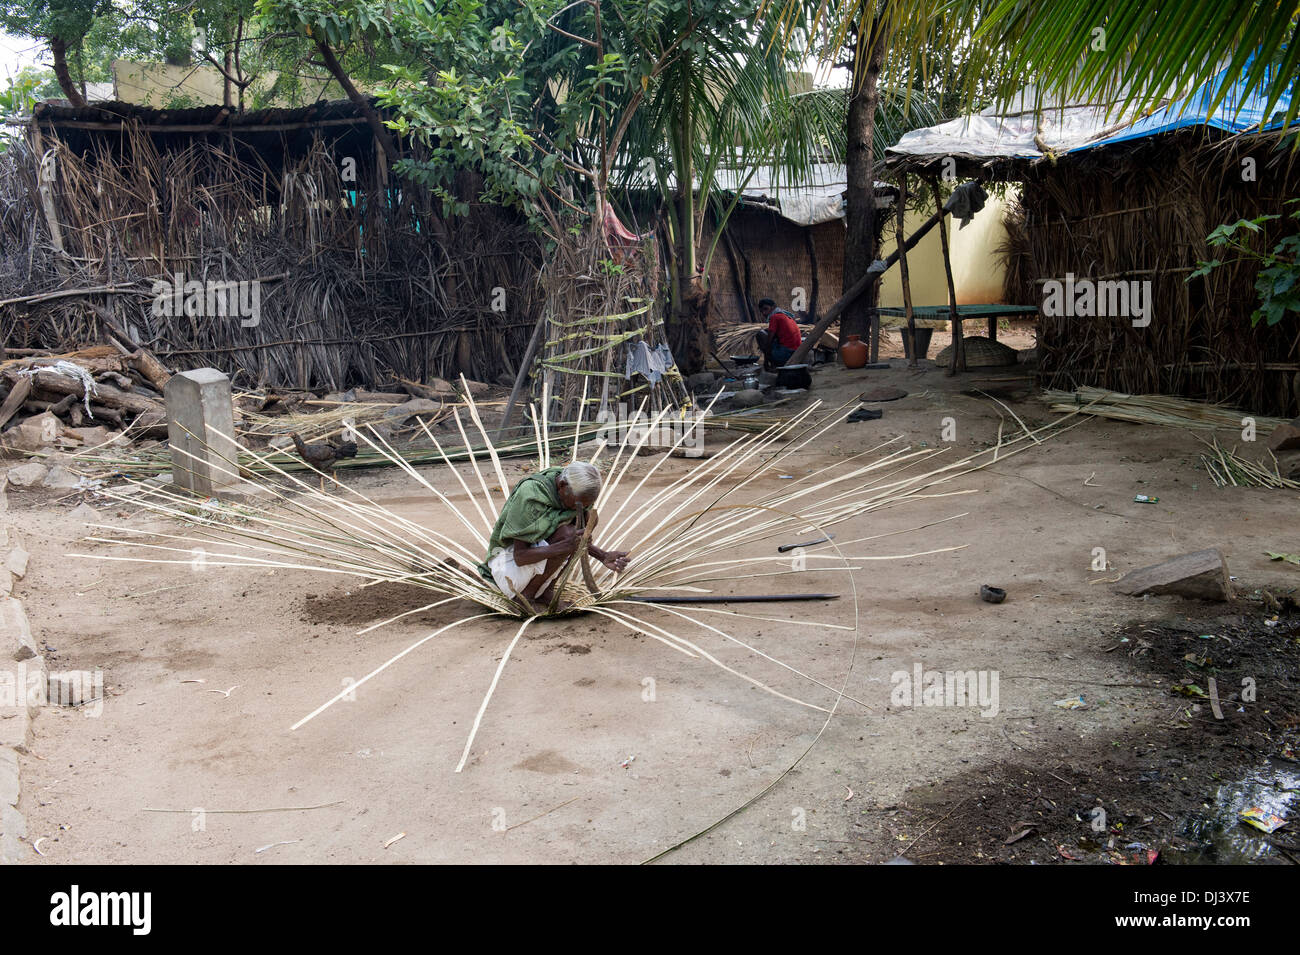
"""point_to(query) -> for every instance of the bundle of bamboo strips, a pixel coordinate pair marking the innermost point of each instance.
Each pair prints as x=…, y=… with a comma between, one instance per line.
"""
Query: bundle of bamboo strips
x=1153, y=409
x=1227, y=468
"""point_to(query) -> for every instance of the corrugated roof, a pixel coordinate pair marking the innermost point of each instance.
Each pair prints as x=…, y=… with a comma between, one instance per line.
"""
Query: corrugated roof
x=816, y=196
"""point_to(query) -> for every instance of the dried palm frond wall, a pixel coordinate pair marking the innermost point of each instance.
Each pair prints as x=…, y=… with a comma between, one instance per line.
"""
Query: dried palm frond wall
x=1143, y=215
x=360, y=280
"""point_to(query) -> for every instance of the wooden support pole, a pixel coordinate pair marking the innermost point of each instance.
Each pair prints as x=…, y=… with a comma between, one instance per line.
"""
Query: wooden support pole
x=525, y=366
x=958, y=361
x=861, y=285
x=903, y=274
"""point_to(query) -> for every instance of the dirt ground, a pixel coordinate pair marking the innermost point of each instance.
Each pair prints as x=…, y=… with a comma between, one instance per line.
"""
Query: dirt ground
x=602, y=746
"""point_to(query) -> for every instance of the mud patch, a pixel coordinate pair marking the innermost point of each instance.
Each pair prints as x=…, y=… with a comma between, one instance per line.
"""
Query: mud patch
x=365, y=605
x=549, y=762
x=1167, y=792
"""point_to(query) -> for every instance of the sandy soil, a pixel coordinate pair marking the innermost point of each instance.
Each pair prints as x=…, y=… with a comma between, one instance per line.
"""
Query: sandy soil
x=546, y=781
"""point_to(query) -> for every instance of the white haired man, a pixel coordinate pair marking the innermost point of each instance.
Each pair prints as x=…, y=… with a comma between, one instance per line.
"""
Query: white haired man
x=536, y=533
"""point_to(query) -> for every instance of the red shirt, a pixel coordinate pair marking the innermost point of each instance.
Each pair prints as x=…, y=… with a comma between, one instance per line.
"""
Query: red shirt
x=783, y=329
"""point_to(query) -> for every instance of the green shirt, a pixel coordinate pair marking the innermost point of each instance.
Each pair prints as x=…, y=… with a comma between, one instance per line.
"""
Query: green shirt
x=531, y=513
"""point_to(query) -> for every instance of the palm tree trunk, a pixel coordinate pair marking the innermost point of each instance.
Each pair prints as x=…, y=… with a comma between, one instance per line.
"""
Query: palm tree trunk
x=860, y=195
x=691, y=305
x=59, y=47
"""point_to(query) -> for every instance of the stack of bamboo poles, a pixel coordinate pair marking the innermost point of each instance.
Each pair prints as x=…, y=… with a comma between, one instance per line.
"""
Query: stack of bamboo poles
x=1153, y=409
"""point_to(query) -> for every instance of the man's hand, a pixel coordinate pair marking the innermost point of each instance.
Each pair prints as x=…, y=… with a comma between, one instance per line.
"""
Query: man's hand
x=615, y=560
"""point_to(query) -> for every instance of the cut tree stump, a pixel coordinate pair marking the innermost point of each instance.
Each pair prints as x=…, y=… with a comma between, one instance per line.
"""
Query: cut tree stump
x=1203, y=575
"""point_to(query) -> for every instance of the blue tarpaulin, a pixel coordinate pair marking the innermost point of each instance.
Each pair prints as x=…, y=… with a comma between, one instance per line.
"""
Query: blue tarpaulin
x=1194, y=110
x=1029, y=128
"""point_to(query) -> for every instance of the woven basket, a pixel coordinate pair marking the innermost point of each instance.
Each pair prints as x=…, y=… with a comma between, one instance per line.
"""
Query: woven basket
x=981, y=352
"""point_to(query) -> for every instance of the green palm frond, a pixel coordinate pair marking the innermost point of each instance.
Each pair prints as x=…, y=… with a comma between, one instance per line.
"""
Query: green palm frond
x=1135, y=54
x=1139, y=53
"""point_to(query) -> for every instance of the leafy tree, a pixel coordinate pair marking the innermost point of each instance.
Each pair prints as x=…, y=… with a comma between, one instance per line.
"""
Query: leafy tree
x=64, y=24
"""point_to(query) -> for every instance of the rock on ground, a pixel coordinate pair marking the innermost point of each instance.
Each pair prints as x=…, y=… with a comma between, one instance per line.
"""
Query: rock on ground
x=399, y=415
x=60, y=477
x=9, y=789
x=16, y=561
x=1285, y=437
x=13, y=830
x=701, y=381
x=25, y=475
x=16, y=641
x=34, y=433
x=748, y=398
x=1203, y=575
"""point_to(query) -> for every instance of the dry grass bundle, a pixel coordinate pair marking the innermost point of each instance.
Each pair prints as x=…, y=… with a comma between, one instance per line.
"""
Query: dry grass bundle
x=689, y=535
x=737, y=338
x=1153, y=409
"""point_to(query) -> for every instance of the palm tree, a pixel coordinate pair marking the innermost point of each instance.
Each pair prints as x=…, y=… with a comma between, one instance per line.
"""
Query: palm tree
x=1141, y=53
x=925, y=50
x=1150, y=49
x=719, y=97
x=702, y=91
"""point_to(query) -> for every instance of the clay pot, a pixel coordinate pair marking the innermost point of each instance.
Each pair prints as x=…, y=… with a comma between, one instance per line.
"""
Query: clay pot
x=854, y=352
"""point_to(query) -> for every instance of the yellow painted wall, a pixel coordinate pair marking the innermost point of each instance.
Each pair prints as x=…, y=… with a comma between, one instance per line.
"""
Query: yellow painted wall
x=976, y=272
x=151, y=84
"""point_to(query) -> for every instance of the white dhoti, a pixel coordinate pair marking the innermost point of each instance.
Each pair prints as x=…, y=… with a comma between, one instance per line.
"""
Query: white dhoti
x=513, y=578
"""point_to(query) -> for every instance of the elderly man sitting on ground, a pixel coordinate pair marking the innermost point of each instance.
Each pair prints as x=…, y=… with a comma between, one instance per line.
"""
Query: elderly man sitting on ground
x=536, y=533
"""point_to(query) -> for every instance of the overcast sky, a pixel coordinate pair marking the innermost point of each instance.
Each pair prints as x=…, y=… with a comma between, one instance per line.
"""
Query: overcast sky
x=16, y=52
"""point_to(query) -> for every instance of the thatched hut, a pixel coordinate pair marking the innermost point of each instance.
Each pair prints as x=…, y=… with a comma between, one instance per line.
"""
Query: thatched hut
x=1125, y=207
x=356, y=277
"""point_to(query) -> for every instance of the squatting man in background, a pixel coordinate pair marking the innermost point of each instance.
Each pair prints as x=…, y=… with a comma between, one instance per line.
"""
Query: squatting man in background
x=782, y=337
x=536, y=533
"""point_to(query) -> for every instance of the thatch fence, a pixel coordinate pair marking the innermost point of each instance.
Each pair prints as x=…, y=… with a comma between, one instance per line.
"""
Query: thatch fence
x=1142, y=213
x=355, y=277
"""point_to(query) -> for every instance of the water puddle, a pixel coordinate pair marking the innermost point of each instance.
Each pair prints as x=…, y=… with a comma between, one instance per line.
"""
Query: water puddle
x=1217, y=836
